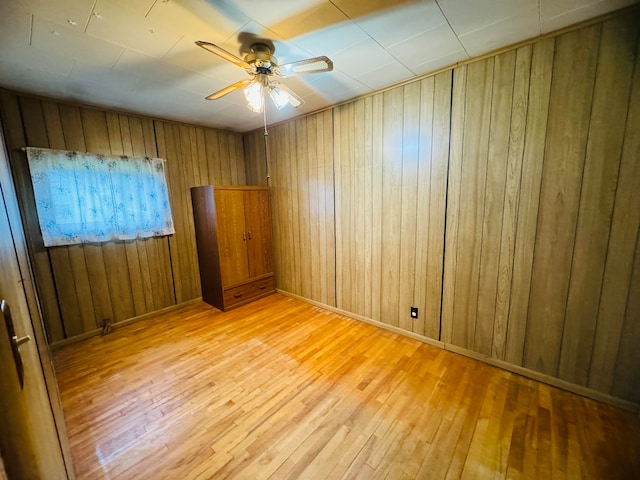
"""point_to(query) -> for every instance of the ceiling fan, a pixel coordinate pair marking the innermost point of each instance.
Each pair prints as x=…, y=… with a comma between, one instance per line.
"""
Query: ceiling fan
x=263, y=67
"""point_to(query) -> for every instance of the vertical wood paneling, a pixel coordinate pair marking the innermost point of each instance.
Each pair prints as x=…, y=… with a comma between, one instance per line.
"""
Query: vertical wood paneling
x=626, y=375
x=366, y=198
x=604, y=148
x=119, y=266
x=438, y=163
x=339, y=126
x=520, y=100
x=68, y=300
x=456, y=152
x=254, y=150
x=223, y=152
x=74, y=140
x=294, y=205
x=360, y=300
x=391, y=153
x=377, y=164
x=103, y=259
x=304, y=227
x=327, y=216
x=321, y=208
x=284, y=162
x=74, y=296
x=566, y=140
x=425, y=206
x=195, y=156
x=237, y=160
x=168, y=142
x=153, y=253
x=286, y=169
x=409, y=202
x=377, y=159
x=529, y=197
x=213, y=156
x=279, y=196
x=392, y=128
x=494, y=192
x=616, y=335
x=314, y=208
x=141, y=289
x=190, y=274
x=202, y=167
x=475, y=147
x=560, y=216
x=81, y=285
x=344, y=125
x=302, y=195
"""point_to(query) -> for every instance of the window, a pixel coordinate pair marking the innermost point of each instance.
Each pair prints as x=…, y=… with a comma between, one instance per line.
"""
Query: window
x=82, y=197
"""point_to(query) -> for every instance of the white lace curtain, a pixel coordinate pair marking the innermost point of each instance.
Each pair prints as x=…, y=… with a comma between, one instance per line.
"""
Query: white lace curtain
x=83, y=197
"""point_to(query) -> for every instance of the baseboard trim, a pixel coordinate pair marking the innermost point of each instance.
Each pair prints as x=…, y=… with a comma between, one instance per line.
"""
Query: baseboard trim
x=519, y=370
x=98, y=331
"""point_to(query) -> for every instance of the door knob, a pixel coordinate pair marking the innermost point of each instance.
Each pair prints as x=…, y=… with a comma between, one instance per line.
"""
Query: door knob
x=19, y=341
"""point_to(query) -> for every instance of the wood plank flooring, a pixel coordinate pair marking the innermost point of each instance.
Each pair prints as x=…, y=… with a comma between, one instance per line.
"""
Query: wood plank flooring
x=283, y=389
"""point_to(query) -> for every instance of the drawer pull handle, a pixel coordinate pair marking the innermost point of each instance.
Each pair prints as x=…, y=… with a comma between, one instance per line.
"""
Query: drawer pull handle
x=262, y=287
x=237, y=295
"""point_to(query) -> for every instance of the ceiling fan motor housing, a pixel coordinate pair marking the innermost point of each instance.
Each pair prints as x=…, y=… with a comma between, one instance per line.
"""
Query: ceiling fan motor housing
x=261, y=57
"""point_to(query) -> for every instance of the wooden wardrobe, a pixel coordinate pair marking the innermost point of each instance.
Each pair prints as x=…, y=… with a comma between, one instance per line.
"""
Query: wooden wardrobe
x=233, y=236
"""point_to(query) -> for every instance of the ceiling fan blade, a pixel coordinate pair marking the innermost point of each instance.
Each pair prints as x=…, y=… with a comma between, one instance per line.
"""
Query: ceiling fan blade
x=230, y=57
x=310, y=65
x=231, y=88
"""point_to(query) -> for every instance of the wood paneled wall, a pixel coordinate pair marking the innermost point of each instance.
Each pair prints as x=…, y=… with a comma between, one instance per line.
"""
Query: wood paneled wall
x=533, y=195
x=492, y=121
x=81, y=285
x=302, y=202
x=383, y=161
x=391, y=153
x=544, y=207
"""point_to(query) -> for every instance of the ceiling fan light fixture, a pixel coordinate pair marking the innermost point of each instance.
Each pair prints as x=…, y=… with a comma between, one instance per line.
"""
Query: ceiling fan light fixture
x=254, y=94
x=280, y=97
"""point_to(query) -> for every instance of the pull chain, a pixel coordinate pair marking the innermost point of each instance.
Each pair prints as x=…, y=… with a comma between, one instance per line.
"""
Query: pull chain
x=266, y=141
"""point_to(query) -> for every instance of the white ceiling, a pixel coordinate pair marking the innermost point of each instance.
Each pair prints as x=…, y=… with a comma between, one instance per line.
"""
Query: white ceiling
x=139, y=55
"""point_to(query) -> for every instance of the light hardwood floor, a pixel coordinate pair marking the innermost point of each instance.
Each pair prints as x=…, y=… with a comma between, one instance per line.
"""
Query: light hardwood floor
x=282, y=389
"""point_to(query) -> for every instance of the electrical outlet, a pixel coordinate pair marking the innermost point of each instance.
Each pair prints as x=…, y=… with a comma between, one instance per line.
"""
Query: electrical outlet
x=414, y=312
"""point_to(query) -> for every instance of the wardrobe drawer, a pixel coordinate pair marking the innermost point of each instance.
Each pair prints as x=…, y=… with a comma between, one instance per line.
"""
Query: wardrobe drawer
x=244, y=293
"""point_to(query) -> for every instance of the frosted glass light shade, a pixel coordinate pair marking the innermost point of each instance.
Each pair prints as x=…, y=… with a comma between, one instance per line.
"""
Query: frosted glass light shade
x=255, y=97
x=279, y=97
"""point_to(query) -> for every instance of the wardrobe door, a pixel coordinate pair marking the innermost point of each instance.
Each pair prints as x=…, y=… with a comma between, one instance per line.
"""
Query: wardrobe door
x=232, y=236
x=258, y=224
